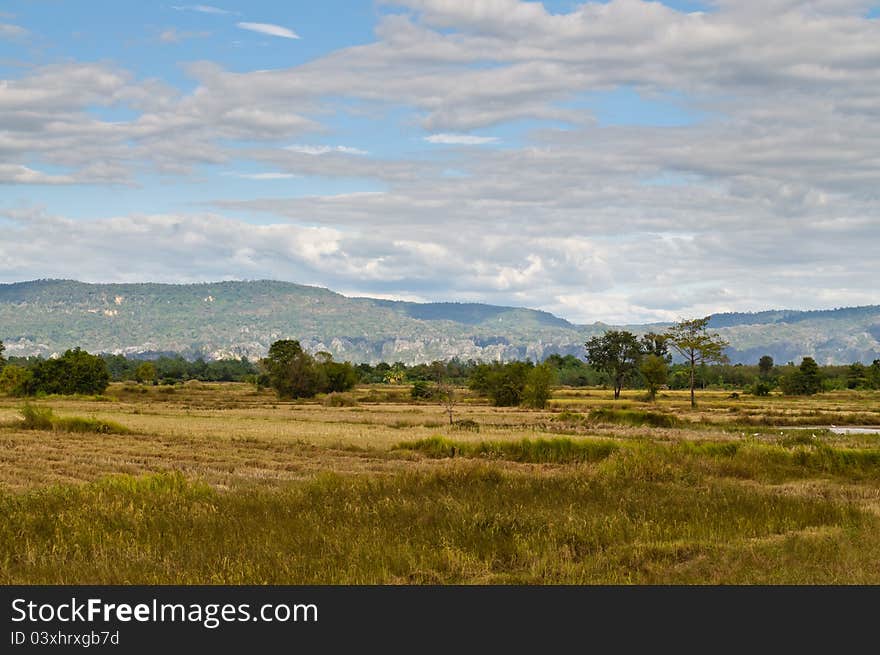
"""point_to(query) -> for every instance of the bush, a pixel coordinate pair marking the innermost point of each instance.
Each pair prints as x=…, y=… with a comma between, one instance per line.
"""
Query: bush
x=36, y=418
x=421, y=390
x=466, y=424
x=336, y=399
x=761, y=388
x=538, y=451
x=567, y=416
x=633, y=417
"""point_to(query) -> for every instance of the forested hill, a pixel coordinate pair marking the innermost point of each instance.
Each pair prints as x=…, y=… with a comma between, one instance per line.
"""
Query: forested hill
x=225, y=319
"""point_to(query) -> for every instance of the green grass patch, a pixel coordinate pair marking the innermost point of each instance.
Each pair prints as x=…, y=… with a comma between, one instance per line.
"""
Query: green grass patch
x=34, y=417
x=539, y=451
x=633, y=417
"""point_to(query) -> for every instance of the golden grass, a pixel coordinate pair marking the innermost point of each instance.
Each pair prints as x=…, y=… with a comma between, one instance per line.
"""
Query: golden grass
x=258, y=453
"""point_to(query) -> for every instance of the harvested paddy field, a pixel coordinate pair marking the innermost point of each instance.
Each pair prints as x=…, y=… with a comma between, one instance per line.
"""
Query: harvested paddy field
x=219, y=483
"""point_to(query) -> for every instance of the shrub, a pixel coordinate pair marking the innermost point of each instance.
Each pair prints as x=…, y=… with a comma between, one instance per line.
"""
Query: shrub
x=633, y=417
x=421, y=390
x=567, y=416
x=336, y=399
x=466, y=424
x=34, y=417
x=761, y=388
x=538, y=451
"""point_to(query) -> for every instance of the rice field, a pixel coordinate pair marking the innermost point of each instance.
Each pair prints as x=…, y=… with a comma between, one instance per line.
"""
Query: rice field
x=220, y=483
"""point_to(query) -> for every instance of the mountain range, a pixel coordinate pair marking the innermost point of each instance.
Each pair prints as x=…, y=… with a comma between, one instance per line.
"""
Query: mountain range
x=241, y=319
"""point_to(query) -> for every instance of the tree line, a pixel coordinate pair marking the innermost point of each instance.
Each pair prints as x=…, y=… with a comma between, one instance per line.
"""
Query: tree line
x=617, y=359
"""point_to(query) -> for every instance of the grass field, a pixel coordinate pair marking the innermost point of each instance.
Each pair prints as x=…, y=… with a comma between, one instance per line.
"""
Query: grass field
x=218, y=483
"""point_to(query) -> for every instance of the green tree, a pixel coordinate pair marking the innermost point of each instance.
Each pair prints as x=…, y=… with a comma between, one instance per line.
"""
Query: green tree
x=75, y=372
x=856, y=376
x=765, y=366
x=656, y=344
x=811, y=380
x=874, y=374
x=692, y=340
x=2, y=359
x=617, y=353
x=14, y=380
x=396, y=374
x=539, y=382
x=502, y=383
x=805, y=381
x=290, y=370
x=655, y=370
x=337, y=376
x=145, y=372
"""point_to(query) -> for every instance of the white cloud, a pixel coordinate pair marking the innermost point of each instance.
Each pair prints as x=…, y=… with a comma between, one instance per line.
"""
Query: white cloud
x=8, y=31
x=270, y=29
x=263, y=176
x=751, y=206
x=17, y=174
x=173, y=35
x=323, y=150
x=205, y=9
x=461, y=139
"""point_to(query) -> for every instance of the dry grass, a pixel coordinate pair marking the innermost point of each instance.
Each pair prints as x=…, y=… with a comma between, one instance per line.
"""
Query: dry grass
x=257, y=453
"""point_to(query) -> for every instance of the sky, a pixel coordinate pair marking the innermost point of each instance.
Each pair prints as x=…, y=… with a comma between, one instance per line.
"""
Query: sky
x=622, y=161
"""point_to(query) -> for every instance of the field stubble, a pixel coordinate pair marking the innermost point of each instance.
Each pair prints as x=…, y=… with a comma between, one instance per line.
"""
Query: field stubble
x=216, y=483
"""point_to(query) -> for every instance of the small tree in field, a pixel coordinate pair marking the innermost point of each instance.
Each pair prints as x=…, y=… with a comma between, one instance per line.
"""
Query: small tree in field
x=692, y=340
x=146, y=372
x=805, y=381
x=765, y=366
x=2, y=359
x=448, y=398
x=617, y=353
x=538, y=383
x=655, y=371
x=874, y=374
x=291, y=371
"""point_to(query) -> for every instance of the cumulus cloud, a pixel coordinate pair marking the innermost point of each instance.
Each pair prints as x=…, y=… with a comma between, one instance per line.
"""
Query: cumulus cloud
x=270, y=29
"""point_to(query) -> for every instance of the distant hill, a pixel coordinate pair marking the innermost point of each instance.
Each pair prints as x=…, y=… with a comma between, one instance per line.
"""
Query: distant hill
x=223, y=319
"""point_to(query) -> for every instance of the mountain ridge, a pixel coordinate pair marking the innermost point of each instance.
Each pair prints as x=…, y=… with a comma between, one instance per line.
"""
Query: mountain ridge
x=242, y=318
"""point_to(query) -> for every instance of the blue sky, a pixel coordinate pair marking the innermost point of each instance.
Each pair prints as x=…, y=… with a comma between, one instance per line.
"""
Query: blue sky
x=516, y=152
x=130, y=35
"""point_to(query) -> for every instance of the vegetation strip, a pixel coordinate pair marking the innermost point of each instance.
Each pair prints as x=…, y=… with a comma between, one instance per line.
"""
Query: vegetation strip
x=631, y=520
